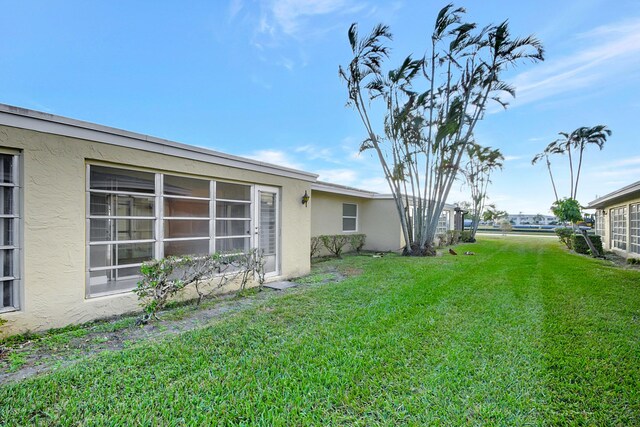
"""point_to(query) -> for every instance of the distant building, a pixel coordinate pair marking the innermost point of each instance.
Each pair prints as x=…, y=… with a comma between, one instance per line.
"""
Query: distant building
x=533, y=219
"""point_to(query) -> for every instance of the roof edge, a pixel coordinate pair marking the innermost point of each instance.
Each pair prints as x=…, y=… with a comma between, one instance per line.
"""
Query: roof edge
x=49, y=123
x=614, y=195
x=329, y=187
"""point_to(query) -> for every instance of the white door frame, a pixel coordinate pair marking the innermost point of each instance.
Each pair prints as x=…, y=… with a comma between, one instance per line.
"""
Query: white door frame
x=276, y=191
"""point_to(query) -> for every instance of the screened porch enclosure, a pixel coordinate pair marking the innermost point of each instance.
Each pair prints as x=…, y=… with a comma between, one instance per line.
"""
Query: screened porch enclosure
x=135, y=216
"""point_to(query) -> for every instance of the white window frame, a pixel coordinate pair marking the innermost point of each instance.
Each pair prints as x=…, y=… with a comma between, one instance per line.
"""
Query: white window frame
x=16, y=244
x=600, y=222
x=162, y=217
x=89, y=217
x=159, y=218
x=618, y=232
x=350, y=217
x=443, y=223
x=634, y=228
x=252, y=220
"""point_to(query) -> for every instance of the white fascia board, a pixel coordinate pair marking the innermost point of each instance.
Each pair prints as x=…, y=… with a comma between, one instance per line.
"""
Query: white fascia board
x=339, y=189
x=48, y=123
x=615, y=196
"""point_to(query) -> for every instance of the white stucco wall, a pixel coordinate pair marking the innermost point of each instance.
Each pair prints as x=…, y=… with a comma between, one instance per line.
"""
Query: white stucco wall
x=377, y=218
x=52, y=293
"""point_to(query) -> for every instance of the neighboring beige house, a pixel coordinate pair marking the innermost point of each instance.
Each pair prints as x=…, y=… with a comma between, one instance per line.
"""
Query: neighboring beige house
x=618, y=220
x=84, y=205
x=337, y=209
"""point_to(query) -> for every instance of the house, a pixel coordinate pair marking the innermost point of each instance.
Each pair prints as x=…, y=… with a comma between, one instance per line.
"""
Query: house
x=532, y=219
x=84, y=205
x=338, y=209
x=618, y=220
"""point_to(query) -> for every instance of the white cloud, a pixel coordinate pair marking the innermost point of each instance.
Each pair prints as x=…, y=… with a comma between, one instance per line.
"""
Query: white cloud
x=275, y=157
x=313, y=152
x=608, y=53
x=632, y=161
x=338, y=176
x=289, y=15
x=617, y=173
x=511, y=158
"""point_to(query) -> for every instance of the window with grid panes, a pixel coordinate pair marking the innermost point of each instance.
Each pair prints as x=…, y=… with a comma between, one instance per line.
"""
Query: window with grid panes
x=233, y=217
x=121, y=227
x=186, y=216
x=618, y=218
x=443, y=223
x=349, y=217
x=9, y=233
x=634, y=228
x=134, y=216
x=600, y=223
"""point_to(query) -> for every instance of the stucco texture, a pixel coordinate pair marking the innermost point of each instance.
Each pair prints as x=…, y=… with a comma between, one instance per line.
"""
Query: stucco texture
x=377, y=218
x=52, y=292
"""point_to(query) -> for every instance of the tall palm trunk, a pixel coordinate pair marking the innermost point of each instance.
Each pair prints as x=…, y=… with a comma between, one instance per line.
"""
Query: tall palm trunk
x=553, y=183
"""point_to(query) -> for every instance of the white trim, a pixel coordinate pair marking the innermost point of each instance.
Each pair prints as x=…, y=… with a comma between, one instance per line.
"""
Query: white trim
x=119, y=242
x=615, y=197
x=341, y=189
x=48, y=123
x=256, y=242
x=350, y=217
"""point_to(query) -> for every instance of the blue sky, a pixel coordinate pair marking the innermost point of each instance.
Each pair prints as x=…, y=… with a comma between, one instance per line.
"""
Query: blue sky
x=259, y=79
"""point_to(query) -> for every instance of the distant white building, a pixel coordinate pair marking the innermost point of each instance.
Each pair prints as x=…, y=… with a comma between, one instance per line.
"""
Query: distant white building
x=533, y=219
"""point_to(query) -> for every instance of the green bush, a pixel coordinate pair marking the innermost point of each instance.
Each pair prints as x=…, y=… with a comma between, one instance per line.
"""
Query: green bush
x=315, y=246
x=579, y=244
x=163, y=279
x=335, y=243
x=564, y=234
x=357, y=241
x=633, y=261
x=465, y=236
x=453, y=237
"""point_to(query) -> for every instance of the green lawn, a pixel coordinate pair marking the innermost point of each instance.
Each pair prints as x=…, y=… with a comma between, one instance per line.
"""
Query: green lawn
x=522, y=333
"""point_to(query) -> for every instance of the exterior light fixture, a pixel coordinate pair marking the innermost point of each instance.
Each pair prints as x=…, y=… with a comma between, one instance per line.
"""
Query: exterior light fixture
x=305, y=198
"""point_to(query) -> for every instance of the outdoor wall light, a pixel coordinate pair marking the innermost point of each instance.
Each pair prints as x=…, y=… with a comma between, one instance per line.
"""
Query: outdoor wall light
x=305, y=198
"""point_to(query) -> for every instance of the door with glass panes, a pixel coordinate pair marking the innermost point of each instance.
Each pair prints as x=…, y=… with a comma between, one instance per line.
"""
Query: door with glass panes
x=267, y=227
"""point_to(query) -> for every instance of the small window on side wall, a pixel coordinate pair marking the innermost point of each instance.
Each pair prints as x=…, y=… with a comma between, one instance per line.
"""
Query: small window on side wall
x=349, y=217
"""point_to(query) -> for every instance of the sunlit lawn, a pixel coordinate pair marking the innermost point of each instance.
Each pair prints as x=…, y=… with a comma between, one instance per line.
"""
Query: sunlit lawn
x=522, y=333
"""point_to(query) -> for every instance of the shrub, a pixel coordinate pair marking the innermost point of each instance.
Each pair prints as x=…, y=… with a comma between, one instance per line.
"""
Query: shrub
x=506, y=226
x=442, y=240
x=315, y=246
x=465, y=236
x=163, y=279
x=579, y=244
x=356, y=241
x=453, y=237
x=631, y=261
x=335, y=243
x=564, y=234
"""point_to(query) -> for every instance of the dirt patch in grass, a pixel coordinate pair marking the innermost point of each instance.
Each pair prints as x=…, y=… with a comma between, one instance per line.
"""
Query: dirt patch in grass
x=31, y=354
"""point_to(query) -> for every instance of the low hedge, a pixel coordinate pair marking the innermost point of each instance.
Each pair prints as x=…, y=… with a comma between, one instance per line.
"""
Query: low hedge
x=579, y=244
x=335, y=243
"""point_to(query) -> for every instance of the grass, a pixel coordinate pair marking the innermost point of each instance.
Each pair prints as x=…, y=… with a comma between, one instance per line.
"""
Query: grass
x=522, y=333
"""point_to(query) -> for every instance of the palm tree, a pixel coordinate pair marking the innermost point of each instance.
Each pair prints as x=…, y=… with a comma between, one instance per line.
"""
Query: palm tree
x=552, y=148
x=583, y=136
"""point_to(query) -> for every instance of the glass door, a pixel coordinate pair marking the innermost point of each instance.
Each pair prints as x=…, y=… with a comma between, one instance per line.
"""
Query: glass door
x=268, y=228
